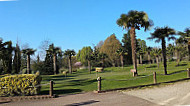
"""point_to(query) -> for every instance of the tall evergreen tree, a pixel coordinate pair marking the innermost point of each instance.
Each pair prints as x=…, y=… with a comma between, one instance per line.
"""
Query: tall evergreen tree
x=110, y=46
x=48, y=63
x=17, y=60
x=6, y=56
x=127, y=47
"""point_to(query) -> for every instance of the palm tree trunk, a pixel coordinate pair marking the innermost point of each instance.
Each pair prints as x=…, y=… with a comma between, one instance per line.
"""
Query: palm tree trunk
x=113, y=64
x=137, y=61
x=160, y=59
x=164, y=55
x=153, y=61
x=141, y=59
x=121, y=60
x=157, y=61
x=178, y=59
x=133, y=47
x=70, y=67
x=189, y=51
x=28, y=64
x=149, y=59
x=54, y=63
x=89, y=66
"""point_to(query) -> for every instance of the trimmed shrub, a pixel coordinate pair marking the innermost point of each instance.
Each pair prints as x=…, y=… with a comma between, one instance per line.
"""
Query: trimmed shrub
x=23, y=84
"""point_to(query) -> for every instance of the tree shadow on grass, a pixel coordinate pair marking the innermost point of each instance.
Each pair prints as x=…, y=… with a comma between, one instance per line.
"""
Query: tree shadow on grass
x=5, y=102
x=176, y=72
x=58, y=79
x=152, y=66
x=180, y=65
x=81, y=82
x=63, y=91
x=141, y=75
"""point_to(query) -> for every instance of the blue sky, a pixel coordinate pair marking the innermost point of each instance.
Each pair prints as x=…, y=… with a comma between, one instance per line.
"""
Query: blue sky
x=72, y=24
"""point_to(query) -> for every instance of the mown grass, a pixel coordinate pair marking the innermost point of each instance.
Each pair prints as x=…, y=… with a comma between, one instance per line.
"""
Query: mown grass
x=113, y=77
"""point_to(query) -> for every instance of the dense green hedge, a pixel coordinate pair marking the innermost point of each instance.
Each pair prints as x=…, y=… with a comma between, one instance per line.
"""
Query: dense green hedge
x=23, y=84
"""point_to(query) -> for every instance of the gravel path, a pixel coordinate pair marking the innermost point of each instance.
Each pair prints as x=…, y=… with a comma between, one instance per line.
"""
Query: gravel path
x=173, y=94
x=88, y=99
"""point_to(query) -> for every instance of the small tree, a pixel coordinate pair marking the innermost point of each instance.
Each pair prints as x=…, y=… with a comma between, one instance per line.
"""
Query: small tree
x=156, y=52
x=121, y=53
x=149, y=49
x=160, y=34
x=54, y=51
x=69, y=53
x=28, y=52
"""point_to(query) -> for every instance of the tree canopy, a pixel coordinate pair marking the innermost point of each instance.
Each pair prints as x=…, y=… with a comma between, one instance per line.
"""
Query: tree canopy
x=110, y=46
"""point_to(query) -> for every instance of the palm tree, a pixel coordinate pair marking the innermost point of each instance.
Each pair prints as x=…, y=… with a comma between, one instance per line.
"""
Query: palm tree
x=156, y=52
x=184, y=36
x=149, y=49
x=69, y=53
x=102, y=57
x=121, y=53
x=160, y=34
x=178, y=48
x=54, y=51
x=28, y=52
x=170, y=51
x=132, y=21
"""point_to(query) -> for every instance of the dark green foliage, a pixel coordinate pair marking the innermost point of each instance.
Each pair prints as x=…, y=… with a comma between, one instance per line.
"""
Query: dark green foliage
x=6, y=56
x=136, y=19
x=141, y=49
x=54, y=51
x=185, y=39
x=48, y=63
x=39, y=66
x=127, y=47
x=23, y=84
x=69, y=53
x=23, y=61
x=17, y=60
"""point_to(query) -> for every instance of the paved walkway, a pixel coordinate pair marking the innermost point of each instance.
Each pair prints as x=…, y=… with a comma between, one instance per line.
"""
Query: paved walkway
x=90, y=99
x=174, y=94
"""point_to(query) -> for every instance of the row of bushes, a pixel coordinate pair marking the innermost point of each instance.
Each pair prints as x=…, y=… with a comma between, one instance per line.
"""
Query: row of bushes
x=23, y=84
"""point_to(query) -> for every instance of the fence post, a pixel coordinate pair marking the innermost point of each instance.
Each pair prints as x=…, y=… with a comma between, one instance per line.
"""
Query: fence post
x=188, y=72
x=154, y=77
x=51, y=88
x=99, y=84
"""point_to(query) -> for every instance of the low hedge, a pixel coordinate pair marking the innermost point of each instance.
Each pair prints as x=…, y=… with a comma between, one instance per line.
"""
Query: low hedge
x=23, y=84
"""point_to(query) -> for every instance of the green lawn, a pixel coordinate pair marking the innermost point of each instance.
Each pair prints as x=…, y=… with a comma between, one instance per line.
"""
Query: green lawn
x=82, y=81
